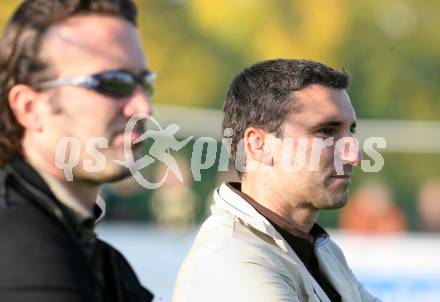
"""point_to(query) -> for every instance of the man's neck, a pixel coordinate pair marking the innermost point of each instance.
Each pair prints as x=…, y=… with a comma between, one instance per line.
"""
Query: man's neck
x=303, y=218
x=87, y=193
x=78, y=195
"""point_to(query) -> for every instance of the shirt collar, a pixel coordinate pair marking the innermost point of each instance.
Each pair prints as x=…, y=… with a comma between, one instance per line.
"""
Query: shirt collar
x=315, y=231
x=230, y=197
x=270, y=215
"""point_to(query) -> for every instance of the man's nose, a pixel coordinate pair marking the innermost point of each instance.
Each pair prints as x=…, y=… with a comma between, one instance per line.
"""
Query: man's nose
x=358, y=159
x=350, y=151
x=138, y=102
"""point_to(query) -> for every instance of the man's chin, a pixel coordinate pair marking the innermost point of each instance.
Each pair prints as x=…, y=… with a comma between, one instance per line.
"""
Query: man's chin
x=336, y=202
x=109, y=175
x=334, y=206
x=123, y=174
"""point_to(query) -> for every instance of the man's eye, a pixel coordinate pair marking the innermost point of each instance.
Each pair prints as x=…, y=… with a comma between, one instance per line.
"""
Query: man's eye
x=325, y=131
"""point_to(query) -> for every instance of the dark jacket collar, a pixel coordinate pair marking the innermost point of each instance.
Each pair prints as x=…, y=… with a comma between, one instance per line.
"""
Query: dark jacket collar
x=19, y=165
x=19, y=168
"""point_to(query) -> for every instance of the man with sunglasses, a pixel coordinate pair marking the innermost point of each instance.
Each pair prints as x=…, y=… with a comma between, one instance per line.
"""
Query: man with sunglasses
x=68, y=68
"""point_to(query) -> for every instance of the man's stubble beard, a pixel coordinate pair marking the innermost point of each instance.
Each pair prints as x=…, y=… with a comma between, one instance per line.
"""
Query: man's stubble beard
x=322, y=198
x=335, y=199
x=112, y=172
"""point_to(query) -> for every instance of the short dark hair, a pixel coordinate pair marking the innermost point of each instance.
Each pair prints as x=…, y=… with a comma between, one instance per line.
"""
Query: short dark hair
x=260, y=96
x=20, y=61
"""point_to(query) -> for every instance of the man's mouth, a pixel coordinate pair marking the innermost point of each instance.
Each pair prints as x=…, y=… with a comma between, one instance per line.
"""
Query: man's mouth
x=344, y=176
x=120, y=137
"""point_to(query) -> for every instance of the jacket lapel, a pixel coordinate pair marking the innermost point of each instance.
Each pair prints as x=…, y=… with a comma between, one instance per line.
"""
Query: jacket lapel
x=228, y=200
x=341, y=281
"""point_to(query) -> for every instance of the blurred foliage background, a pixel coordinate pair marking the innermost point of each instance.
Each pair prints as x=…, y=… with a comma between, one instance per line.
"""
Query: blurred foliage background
x=392, y=48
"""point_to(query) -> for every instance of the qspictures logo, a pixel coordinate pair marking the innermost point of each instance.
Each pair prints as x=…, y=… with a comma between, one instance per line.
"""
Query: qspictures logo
x=307, y=153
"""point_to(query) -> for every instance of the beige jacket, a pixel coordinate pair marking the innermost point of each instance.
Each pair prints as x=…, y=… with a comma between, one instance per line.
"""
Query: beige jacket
x=239, y=256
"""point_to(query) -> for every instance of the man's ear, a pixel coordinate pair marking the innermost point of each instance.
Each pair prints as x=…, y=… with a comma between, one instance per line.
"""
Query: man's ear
x=257, y=145
x=23, y=100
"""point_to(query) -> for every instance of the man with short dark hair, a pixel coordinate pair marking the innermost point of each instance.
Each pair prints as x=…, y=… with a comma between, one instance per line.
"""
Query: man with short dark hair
x=70, y=69
x=262, y=242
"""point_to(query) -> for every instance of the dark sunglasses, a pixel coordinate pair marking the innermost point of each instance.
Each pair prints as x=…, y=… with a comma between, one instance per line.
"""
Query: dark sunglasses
x=117, y=84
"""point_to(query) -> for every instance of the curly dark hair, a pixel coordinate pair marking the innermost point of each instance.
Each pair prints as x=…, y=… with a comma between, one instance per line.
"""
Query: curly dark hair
x=260, y=95
x=20, y=61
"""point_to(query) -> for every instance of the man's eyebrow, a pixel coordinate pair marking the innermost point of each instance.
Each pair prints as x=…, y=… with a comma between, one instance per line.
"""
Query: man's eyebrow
x=334, y=123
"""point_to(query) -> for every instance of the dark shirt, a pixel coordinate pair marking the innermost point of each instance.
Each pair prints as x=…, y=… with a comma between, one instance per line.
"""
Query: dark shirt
x=302, y=243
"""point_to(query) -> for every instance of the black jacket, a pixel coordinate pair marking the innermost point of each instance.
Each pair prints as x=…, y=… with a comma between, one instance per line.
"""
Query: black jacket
x=45, y=254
